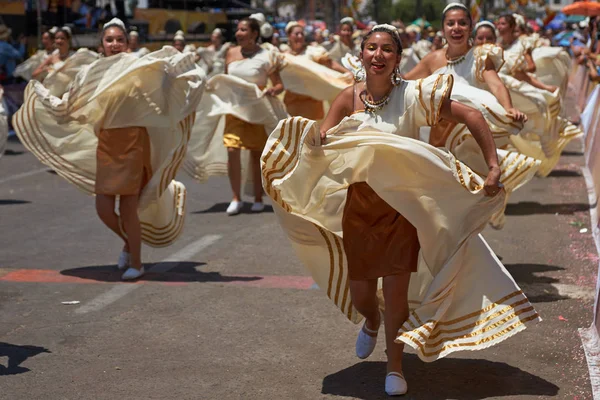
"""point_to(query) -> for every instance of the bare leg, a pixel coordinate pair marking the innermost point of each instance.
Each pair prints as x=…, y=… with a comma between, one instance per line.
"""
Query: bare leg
x=234, y=169
x=128, y=207
x=105, y=207
x=395, y=293
x=364, y=299
x=256, y=175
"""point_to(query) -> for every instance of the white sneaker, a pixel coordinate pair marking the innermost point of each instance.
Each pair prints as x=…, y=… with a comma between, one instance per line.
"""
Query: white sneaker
x=234, y=207
x=132, y=274
x=258, y=207
x=395, y=384
x=124, y=260
x=365, y=343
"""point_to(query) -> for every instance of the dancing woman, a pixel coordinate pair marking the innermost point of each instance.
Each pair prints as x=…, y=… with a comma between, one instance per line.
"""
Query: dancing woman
x=477, y=69
x=542, y=102
x=398, y=206
x=59, y=70
x=134, y=45
x=212, y=57
x=300, y=104
x=344, y=43
x=252, y=63
x=120, y=132
x=518, y=52
x=25, y=70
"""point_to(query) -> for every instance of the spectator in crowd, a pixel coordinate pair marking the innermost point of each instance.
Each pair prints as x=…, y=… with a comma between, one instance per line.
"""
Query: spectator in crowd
x=9, y=55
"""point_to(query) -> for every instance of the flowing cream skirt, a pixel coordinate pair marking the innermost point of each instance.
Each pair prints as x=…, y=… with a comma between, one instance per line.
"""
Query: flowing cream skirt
x=461, y=297
x=159, y=92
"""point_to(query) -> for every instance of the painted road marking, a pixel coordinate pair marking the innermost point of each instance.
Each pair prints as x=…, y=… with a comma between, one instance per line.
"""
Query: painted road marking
x=169, y=279
x=23, y=175
x=120, y=291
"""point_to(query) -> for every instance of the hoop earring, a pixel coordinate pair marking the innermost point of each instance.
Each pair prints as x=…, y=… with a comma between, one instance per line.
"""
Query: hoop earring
x=395, y=77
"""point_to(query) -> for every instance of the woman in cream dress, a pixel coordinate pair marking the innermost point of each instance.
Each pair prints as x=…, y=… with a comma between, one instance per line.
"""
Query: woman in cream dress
x=25, y=69
x=475, y=71
x=518, y=50
x=548, y=133
x=134, y=45
x=364, y=199
x=343, y=43
x=300, y=53
x=235, y=115
x=212, y=57
x=121, y=132
x=59, y=70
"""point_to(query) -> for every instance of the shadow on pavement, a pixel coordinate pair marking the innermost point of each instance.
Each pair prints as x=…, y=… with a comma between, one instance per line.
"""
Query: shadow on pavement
x=9, y=152
x=564, y=174
x=222, y=207
x=13, y=202
x=448, y=378
x=533, y=207
x=571, y=153
x=182, y=272
x=539, y=289
x=16, y=355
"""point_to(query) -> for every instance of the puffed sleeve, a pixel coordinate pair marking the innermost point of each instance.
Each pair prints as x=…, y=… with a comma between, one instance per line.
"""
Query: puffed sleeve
x=276, y=61
x=317, y=54
x=429, y=95
x=485, y=52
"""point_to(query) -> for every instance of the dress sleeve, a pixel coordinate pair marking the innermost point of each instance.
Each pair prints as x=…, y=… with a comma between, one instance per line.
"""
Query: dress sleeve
x=276, y=61
x=430, y=94
x=317, y=54
x=485, y=52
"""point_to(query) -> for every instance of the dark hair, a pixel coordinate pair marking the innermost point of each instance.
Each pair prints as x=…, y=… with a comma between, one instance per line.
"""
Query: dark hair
x=457, y=7
x=395, y=37
x=512, y=22
x=254, y=26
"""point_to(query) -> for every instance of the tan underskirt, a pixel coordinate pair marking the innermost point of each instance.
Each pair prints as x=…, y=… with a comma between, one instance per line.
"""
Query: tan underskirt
x=123, y=164
x=299, y=105
x=378, y=241
x=243, y=135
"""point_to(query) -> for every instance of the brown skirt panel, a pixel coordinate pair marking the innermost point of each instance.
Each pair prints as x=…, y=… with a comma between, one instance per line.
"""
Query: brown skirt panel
x=243, y=135
x=299, y=105
x=378, y=241
x=123, y=163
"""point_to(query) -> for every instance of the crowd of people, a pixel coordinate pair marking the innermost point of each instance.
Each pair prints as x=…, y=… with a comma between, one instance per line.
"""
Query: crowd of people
x=384, y=151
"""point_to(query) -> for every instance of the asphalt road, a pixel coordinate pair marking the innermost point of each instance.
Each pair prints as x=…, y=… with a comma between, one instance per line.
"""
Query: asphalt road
x=229, y=313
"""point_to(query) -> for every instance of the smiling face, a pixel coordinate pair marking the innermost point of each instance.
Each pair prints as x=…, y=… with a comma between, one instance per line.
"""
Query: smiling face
x=47, y=41
x=457, y=26
x=244, y=35
x=179, y=45
x=504, y=26
x=380, y=55
x=216, y=39
x=485, y=34
x=296, y=37
x=133, y=42
x=62, y=42
x=346, y=32
x=114, y=41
